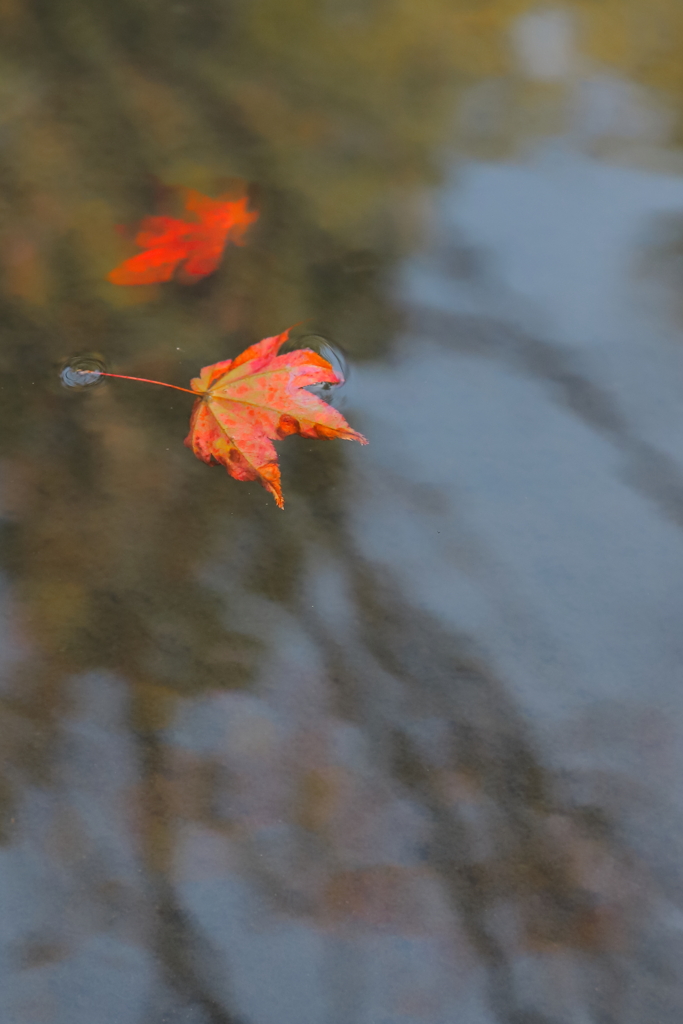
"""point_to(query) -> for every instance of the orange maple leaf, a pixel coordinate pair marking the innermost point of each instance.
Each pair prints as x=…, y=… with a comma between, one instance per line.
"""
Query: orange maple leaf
x=193, y=246
x=248, y=402
x=245, y=404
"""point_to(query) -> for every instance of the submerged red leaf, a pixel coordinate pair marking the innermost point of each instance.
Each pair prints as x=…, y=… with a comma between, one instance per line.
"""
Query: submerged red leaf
x=193, y=247
x=248, y=402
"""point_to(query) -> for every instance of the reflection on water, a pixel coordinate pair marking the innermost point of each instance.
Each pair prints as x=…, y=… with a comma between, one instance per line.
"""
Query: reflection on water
x=82, y=372
x=410, y=750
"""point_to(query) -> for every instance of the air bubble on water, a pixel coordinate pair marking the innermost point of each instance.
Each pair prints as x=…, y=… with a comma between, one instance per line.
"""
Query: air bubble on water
x=82, y=372
x=334, y=356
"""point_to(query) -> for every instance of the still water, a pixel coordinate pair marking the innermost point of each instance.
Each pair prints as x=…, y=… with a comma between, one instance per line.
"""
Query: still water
x=409, y=751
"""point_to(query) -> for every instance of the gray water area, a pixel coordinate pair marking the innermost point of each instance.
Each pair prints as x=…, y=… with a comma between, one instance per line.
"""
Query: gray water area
x=409, y=751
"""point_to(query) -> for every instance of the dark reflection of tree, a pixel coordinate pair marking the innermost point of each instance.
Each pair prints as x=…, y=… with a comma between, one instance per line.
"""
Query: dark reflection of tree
x=188, y=961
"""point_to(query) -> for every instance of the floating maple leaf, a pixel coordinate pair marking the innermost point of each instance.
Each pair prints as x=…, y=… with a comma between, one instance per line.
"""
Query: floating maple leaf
x=244, y=404
x=194, y=247
x=260, y=396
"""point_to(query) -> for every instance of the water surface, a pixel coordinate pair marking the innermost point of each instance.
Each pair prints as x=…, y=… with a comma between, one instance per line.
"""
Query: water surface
x=410, y=751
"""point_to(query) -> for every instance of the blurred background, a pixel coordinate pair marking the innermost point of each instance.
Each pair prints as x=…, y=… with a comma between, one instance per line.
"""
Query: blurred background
x=410, y=751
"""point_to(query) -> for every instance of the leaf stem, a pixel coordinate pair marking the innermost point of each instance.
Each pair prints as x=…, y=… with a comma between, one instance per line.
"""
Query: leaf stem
x=145, y=380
